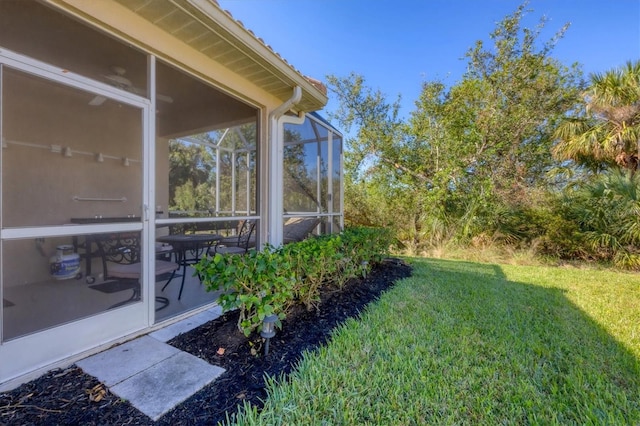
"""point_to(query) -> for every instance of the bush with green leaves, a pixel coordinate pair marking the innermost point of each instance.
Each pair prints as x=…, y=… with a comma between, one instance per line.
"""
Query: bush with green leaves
x=267, y=282
x=314, y=262
x=362, y=247
x=544, y=224
x=259, y=284
x=608, y=213
x=596, y=219
x=334, y=259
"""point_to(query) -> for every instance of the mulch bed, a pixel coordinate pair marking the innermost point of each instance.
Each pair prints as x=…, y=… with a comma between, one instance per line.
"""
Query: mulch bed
x=71, y=397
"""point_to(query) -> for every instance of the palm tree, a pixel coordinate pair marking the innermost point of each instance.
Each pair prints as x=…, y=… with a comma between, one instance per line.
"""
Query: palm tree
x=608, y=130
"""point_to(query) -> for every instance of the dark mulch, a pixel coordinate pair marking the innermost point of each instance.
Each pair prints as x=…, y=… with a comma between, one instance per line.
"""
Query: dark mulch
x=63, y=397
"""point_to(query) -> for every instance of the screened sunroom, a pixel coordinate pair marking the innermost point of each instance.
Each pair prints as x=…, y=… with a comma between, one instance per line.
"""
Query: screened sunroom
x=312, y=176
x=138, y=137
x=214, y=174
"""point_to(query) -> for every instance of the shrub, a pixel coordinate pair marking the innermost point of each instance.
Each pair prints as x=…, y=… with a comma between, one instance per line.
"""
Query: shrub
x=364, y=247
x=607, y=210
x=258, y=284
x=314, y=262
x=267, y=282
x=545, y=225
x=334, y=259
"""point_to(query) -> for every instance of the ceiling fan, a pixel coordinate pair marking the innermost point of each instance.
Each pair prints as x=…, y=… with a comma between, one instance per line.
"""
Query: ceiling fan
x=117, y=79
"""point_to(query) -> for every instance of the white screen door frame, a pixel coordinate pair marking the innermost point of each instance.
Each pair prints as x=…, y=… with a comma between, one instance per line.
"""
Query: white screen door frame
x=44, y=348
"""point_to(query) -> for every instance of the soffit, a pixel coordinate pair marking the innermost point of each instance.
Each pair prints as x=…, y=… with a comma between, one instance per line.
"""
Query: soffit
x=205, y=27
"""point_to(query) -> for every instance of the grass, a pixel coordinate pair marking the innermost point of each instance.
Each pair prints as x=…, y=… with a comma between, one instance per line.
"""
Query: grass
x=493, y=253
x=471, y=343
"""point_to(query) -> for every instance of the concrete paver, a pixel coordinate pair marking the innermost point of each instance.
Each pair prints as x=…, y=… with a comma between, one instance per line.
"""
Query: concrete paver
x=152, y=375
x=158, y=389
x=128, y=359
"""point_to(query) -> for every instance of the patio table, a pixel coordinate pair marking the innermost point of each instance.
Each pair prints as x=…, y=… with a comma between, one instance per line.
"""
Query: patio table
x=188, y=249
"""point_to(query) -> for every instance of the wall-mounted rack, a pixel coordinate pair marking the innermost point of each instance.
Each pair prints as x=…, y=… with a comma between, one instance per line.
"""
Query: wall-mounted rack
x=78, y=198
x=70, y=152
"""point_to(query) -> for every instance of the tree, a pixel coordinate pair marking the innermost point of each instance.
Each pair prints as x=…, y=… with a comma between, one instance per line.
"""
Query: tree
x=467, y=149
x=503, y=114
x=201, y=170
x=190, y=168
x=607, y=129
x=385, y=174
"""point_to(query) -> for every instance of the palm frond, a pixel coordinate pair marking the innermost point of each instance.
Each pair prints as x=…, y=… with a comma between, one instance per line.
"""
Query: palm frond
x=609, y=129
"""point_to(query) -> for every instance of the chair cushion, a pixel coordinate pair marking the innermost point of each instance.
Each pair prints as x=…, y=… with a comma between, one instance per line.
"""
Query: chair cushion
x=229, y=241
x=229, y=250
x=124, y=270
x=299, y=228
x=134, y=270
x=163, y=266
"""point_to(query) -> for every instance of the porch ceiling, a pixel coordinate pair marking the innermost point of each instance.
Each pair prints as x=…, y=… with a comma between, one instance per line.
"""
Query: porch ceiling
x=208, y=29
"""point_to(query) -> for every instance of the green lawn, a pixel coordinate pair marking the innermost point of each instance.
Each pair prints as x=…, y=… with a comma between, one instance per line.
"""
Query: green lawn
x=471, y=343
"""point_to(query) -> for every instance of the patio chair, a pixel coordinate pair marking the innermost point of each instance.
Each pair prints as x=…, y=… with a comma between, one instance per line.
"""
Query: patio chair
x=299, y=228
x=121, y=261
x=238, y=244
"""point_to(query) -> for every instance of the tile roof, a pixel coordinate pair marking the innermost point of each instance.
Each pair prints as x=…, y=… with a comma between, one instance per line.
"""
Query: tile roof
x=315, y=82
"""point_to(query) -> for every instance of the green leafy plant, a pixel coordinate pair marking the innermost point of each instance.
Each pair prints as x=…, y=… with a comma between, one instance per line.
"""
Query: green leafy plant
x=314, y=262
x=607, y=211
x=258, y=284
x=363, y=247
x=267, y=282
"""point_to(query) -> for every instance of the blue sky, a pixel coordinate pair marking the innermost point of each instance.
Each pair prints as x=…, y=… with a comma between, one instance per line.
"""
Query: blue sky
x=397, y=45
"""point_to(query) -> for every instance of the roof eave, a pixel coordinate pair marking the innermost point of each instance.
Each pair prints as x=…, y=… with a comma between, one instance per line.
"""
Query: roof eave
x=209, y=13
